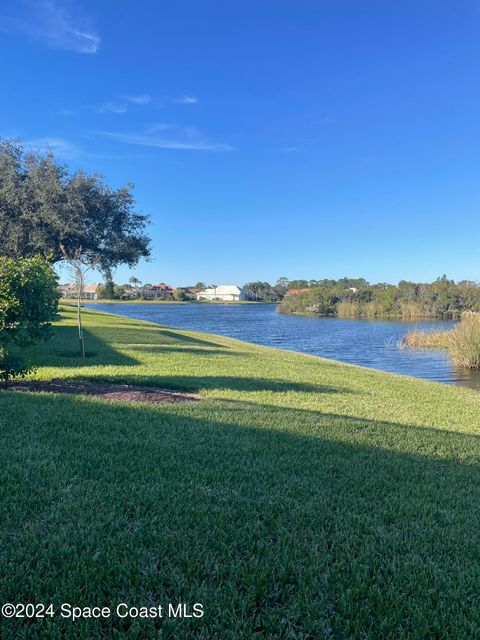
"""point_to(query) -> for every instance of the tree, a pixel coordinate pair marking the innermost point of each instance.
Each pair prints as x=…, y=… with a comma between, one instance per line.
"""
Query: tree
x=281, y=286
x=135, y=282
x=76, y=217
x=298, y=284
x=180, y=294
x=28, y=305
x=109, y=289
x=261, y=291
x=44, y=207
x=80, y=263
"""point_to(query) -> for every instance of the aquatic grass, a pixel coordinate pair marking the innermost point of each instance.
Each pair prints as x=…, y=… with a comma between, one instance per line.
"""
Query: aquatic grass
x=462, y=342
x=426, y=340
x=301, y=498
x=348, y=309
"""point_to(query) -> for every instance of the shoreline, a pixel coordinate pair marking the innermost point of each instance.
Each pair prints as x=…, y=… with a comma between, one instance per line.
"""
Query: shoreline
x=396, y=318
x=70, y=301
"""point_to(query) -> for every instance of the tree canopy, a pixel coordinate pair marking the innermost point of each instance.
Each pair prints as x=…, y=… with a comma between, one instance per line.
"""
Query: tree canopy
x=352, y=297
x=44, y=208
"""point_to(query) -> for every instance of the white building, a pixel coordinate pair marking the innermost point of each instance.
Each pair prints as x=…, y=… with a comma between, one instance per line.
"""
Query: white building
x=227, y=292
x=90, y=291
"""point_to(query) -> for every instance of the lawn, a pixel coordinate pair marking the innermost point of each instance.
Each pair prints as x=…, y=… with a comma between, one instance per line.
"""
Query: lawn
x=301, y=498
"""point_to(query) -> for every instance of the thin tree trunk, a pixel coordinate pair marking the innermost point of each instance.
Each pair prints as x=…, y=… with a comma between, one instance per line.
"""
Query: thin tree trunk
x=79, y=318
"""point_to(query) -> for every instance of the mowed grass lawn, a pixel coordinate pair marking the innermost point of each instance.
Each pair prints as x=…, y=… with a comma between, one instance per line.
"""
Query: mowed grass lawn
x=301, y=498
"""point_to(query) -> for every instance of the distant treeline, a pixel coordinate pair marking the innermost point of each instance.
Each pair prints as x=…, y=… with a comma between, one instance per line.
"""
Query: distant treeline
x=351, y=298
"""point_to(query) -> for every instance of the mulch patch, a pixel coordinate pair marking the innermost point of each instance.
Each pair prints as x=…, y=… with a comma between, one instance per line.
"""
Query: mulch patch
x=118, y=392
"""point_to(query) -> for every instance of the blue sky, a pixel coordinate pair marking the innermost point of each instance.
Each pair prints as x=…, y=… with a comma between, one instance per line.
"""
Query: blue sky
x=265, y=138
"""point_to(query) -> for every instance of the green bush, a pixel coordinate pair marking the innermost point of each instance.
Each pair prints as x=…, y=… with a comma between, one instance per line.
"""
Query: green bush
x=28, y=304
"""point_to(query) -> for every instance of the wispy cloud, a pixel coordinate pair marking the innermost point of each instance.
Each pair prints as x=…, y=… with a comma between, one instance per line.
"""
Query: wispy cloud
x=186, y=100
x=159, y=126
x=122, y=104
x=329, y=120
x=60, y=147
x=143, y=98
x=68, y=151
x=53, y=23
x=113, y=107
x=163, y=136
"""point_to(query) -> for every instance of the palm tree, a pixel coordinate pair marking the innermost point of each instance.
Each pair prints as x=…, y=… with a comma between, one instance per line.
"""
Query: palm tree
x=135, y=282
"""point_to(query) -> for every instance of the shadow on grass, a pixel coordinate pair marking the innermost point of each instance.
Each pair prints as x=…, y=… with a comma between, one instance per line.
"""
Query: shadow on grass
x=178, y=337
x=283, y=523
x=63, y=350
x=158, y=348
x=227, y=383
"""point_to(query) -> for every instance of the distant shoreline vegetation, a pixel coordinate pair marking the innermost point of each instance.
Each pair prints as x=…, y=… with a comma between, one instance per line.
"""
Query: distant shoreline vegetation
x=357, y=298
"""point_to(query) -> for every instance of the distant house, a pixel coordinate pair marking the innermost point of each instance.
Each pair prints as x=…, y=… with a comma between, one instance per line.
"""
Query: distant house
x=67, y=290
x=160, y=291
x=226, y=292
x=294, y=292
x=189, y=292
x=90, y=291
x=131, y=293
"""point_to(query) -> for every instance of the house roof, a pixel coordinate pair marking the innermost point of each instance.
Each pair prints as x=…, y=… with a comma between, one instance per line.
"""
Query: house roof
x=91, y=288
x=87, y=288
x=292, y=292
x=162, y=285
x=223, y=289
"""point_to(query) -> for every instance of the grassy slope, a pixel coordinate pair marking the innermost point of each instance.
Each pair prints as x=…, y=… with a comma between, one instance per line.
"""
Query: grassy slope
x=302, y=499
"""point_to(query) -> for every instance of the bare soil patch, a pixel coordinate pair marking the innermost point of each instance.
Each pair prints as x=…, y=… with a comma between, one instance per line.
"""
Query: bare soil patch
x=118, y=392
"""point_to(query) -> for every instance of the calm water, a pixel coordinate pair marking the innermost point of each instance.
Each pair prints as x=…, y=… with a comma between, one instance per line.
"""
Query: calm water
x=370, y=343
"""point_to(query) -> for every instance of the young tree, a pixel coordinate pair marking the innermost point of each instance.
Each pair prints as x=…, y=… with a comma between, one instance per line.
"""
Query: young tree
x=81, y=263
x=28, y=305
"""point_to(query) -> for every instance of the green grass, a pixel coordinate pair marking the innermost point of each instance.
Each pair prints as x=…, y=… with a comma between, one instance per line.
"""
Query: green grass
x=301, y=498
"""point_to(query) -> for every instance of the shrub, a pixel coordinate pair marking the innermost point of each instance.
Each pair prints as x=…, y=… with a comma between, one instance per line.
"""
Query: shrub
x=28, y=304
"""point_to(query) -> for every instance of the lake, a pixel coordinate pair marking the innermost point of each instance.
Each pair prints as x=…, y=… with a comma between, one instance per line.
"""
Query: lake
x=369, y=343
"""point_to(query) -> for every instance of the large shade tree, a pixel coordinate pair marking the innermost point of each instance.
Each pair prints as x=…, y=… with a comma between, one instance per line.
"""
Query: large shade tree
x=76, y=217
x=46, y=209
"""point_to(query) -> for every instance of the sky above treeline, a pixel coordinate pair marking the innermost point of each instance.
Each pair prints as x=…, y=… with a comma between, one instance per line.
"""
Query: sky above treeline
x=309, y=138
